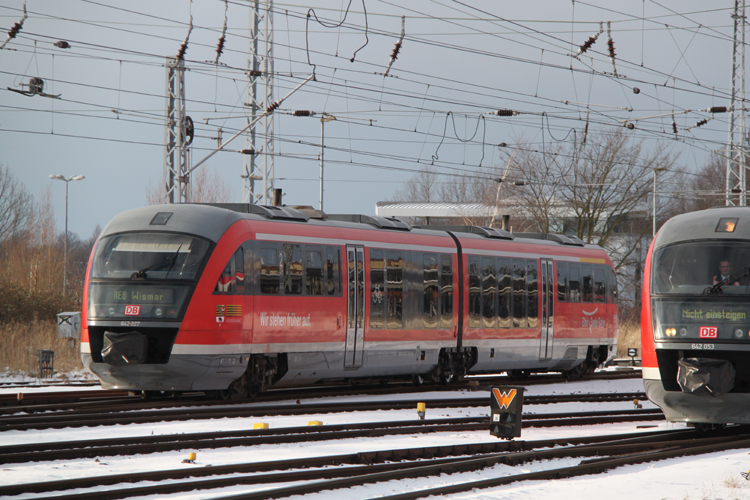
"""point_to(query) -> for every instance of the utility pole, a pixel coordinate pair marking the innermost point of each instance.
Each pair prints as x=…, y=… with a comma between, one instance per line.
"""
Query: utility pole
x=258, y=57
x=737, y=140
x=177, y=136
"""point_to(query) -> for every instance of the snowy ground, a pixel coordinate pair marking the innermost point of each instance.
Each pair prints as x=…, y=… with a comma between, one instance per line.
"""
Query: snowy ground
x=708, y=477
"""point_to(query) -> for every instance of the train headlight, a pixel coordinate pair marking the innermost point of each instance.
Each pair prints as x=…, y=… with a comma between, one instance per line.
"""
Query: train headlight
x=158, y=311
x=670, y=332
x=111, y=311
x=683, y=332
x=738, y=333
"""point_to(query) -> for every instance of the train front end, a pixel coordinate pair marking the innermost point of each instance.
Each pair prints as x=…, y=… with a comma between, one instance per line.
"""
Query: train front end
x=695, y=324
x=142, y=275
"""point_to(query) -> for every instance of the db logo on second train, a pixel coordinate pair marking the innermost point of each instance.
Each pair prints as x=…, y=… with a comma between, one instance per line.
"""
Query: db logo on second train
x=132, y=310
x=708, y=332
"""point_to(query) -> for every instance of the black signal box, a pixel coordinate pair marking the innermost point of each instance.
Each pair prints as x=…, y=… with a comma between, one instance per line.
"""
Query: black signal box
x=506, y=405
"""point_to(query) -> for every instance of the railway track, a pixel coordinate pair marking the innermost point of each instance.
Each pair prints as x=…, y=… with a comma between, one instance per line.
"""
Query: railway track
x=31, y=402
x=315, y=474
x=91, y=448
x=143, y=412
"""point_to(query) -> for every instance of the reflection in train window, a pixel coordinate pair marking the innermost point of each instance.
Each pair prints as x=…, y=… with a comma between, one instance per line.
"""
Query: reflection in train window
x=519, y=293
x=446, y=292
x=532, y=285
x=599, y=287
x=430, y=294
x=395, y=285
x=292, y=255
x=574, y=282
x=377, y=289
x=587, y=277
x=562, y=281
x=475, y=293
x=489, y=293
x=313, y=271
x=333, y=276
x=504, y=291
x=269, y=270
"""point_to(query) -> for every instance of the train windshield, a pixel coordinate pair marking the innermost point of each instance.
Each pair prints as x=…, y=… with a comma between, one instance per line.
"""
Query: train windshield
x=149, y=256
x=715, y=267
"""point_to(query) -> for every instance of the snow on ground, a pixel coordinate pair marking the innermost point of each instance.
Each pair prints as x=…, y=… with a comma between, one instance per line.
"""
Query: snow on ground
x=708, y=477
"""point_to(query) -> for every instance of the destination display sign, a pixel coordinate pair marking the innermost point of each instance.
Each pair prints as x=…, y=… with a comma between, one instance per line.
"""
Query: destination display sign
x=701, y=312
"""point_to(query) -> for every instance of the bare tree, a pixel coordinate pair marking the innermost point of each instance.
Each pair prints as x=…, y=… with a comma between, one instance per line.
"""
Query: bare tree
x=423, y=187
x=597, y=191
x=16, y=205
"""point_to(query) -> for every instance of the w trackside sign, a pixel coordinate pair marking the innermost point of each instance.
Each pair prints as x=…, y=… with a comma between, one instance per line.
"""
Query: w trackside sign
x=506, y=404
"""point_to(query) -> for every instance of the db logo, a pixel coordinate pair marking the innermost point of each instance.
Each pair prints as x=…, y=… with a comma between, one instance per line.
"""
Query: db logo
x=708, y=332
x=132, y=310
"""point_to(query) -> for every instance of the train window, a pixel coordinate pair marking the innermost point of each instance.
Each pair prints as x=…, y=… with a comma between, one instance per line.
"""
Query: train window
x=226, y=282
x=360, y=289
x=313, y=271
x=574, y=282
x=475, y=293
x=394, y=292
x=377, y=289
x=446, y=292
x=587, y=279
x=149, y=256
x=690, y=268
x=333, y=276
x=489, y=293
x=519, y=293
x=504, y=293
x=249, y=267
x=611, y=286
x=532, y=284
x=562, y=280
x=269, y=270
x=430, y=294
x=292, y=255
x=599, y=287
x=239, y=271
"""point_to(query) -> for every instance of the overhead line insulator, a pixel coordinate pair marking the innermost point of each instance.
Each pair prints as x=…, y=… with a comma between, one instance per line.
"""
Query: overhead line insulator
x=591, y=41
x=504, y=112
x=397, y=48
x=13, y=31
x=611, y=47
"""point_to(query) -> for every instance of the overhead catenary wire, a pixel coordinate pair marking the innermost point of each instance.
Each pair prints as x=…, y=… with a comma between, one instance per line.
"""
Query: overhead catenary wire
x=432, y=106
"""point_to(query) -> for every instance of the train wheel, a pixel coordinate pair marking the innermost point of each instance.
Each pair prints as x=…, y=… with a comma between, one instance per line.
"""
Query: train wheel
x=148, y=395
x=446, y=377
x=235, y=391
x=417, y=380
x=519, y=373
x=577, y=372
x=252, y=391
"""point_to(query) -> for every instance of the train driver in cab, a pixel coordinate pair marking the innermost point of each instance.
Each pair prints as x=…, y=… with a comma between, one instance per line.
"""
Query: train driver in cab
x=725, y=268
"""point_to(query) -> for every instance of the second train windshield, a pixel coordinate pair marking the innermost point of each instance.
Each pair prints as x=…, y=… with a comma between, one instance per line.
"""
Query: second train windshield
x=692, y=268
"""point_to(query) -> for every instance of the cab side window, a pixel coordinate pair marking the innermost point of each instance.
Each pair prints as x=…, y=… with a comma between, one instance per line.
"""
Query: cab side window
x=232, y=278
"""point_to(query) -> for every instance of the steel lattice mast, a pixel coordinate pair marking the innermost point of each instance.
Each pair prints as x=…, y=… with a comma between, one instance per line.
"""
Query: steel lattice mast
x=176, y=168
x=252, y=172
x=737, y=140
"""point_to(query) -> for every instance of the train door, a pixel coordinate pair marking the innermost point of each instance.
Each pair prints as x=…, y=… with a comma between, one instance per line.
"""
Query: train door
x=548, y=310
x=355, y=320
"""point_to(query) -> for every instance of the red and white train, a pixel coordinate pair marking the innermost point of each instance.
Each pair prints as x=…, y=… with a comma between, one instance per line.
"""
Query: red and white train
x=695, y=322
x=234, y=299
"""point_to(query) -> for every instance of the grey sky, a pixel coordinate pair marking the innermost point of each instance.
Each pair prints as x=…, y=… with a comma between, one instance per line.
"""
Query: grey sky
x=467, y=58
